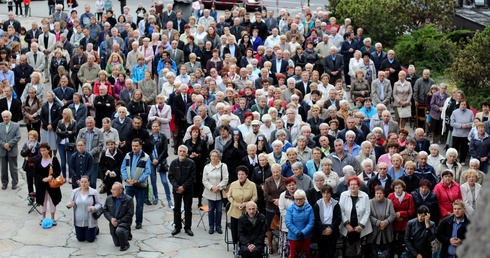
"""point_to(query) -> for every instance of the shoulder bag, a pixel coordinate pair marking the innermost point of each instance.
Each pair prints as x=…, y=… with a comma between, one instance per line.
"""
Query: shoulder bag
x=224, y=192
x=55, y=182
x=98, y=212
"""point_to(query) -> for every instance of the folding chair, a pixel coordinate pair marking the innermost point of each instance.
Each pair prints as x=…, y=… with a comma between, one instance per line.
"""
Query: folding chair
x=203, y=210
x=31, y=198
x=182, y=215
x=228, y=238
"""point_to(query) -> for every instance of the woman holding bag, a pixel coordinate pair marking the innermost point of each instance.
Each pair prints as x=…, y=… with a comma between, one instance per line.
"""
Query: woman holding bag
x=402, y=94
x=85, y=202
x=47, y=168
x=214, y=180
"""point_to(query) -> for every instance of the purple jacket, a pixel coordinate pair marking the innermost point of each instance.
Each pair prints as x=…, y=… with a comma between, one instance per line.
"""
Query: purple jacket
x=436, y=103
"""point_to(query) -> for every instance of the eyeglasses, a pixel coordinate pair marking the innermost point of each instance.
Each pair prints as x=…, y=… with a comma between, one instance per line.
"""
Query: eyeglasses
x=299, y=199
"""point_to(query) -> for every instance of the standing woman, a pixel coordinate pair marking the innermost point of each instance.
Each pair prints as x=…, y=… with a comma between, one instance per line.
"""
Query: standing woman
x=382, y=218
x=214, y=180
x=85, y=201
x=356, y=209
x=404, y=206
x=88, y=98
x=327, y=222
x=44, y=193
x=300, y=220
x=67, y=132
x=436, y=107
x=148, y=87
x=447, y=191
x=233, y=152
x=31, y=111
x=30, y=153
x=110, y=164
x=159, y=155
x=50, y=116
x=241, y=191
x=163, y=113
x=402, y=94
x=259, y=175
x=470, y=191
x=198, y=152
x=138, y=107
x=273, y=187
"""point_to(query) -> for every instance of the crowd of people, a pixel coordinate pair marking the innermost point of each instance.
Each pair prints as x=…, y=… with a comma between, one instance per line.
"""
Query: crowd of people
x=289, y=121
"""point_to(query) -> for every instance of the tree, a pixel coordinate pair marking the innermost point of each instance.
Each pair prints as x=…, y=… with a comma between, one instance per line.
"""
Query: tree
x=385, y=20
x=470, y=69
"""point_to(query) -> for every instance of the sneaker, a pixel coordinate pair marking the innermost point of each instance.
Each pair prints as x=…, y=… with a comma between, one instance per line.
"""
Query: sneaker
x=54, y=223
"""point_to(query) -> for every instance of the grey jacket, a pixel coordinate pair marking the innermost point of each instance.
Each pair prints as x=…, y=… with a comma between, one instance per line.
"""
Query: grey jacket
x=460, y=118
x=12, y=137
x=421, y=89
x=97, y=143
x=377, y=216
x=376, y=91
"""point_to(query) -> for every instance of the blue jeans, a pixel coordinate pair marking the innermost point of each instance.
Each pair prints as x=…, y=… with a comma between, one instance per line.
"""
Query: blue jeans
x=86, y=234
x=141, y=194
x=153, y=179
x=65, y=157
x=214, y=214
x=163, y=177
x=94, y=175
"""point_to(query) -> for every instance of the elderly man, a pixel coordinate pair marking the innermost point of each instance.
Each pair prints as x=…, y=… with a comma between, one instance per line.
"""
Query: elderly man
x=11, y=104
x=422, y=144
x=119, y=211
x=391, y=66
x=348, y=171
x=59, y=15
x=251, y=231
x=9, y=139
x=89, y=71
x=251, y=137
x=333, y=65
x=123, y=124
x=135, y=171
x=382, y=179
x=461, y=121
x=340, y=158
x=126, y=94
x=104, y=106
x=387, y=125
x=94, y=141
x=381, y=91
x=182, y=174
x=351, y=126
x=35, y=58
x=22, y=75
x=422, y=87
x=425, y=171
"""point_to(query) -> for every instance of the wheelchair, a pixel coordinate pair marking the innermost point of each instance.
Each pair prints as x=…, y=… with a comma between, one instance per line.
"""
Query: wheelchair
x=238, y=252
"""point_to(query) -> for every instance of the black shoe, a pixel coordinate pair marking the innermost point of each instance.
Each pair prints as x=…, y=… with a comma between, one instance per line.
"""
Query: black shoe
x=219, y=230
x=175, y=151
x=130, y=237
x=271, y=251
x=124, y=248
x=211, y=231
x=138, y=226
x=147, y=202
x=175, y=232
x=189, y=232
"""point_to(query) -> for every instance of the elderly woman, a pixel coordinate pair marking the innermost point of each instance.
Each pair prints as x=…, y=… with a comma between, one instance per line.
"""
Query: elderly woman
x=397, y=170
x=286, y=199
x=161, y=112
x=110, y=164
x=450, y=163
x=57, y=60
x=479, y=146
x=240, y=192
x=367, y=170
x=36, y=85
x=149, y=88
x=50, y=116
x=470, y=191
x=434, y=159
x=314, y=194
x=31, y=110
x=258, y=176
x=197, y=152
x=85, y=201
x=404, y=210
x=102, y=81
x=436, y=107
x=138, y=106
x=300, y=220
x=44, y=193
x=402, y=94
x=331, y=177
x=447, y=191
x=382, y=218
x=273, y=187
x=88, y=98
x=328, y=217
x=424, y=196
x=214, y=179
x=356, y=209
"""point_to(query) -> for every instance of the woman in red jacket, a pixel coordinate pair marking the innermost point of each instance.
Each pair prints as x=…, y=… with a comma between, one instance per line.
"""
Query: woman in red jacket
x=404, y=210
x=447, y=191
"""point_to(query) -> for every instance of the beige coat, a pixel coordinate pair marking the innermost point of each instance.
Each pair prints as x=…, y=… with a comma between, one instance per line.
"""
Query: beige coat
x=85, y=73
x=239, y=194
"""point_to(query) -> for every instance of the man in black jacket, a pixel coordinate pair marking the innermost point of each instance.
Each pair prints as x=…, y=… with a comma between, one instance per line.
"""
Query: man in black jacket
x=251, y=231
x=420, y=233
x=119, y=211
x=452, y=230
x=182, y=175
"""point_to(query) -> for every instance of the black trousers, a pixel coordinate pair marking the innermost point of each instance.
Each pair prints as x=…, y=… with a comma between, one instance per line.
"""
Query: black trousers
x=186, y=196
x=461, y=145
x=234, y=230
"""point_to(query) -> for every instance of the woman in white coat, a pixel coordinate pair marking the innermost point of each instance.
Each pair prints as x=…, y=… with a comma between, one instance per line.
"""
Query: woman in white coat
x=355, y=222
x=163, y=113
x=470, y=191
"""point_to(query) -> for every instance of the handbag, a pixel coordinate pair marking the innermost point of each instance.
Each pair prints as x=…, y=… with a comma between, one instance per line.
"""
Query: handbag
x=98, y=212
x=353, y=248
x=224, y=192
x=380, y=250
x=69, y=146
x=276, y=222
x=404, y=112
x=55, y=182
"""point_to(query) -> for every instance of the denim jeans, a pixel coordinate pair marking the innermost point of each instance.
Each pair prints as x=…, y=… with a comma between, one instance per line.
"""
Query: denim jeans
x=215, y=213
x=141, y=194
x=86, y=234
x=163, y=177
x=94, y=175
x=153, y=179
x=65, y=156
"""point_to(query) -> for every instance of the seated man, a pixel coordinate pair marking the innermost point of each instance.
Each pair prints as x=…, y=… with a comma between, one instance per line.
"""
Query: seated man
x=251, y=232
x=119, y=211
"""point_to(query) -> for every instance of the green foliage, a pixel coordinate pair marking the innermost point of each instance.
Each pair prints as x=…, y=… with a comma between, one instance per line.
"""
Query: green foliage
x=385, y=20
x=470, y=69
x=426, y=48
